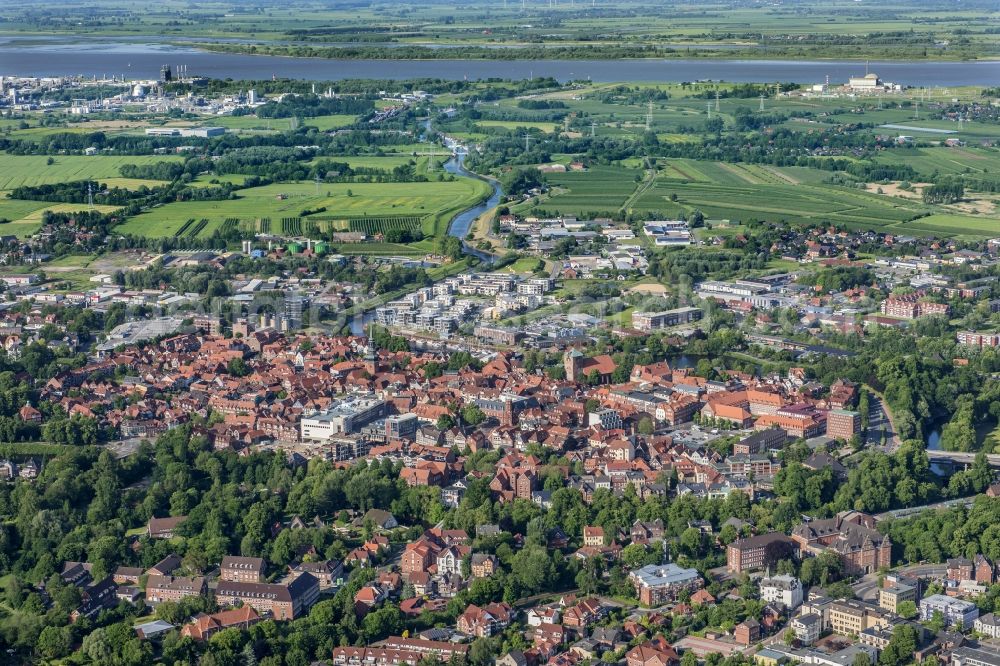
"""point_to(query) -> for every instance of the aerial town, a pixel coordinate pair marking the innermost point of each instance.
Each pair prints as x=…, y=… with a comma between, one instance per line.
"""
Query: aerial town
x=340, y=340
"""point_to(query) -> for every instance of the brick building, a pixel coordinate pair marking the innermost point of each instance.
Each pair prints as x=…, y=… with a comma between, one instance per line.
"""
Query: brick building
x=242, y=569
x=757, y=552
x=852, y=536
x=173, y=588
x=283, y=602
x=843, y=424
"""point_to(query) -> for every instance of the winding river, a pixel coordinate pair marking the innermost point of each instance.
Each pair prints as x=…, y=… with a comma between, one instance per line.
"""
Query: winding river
x=462, y=222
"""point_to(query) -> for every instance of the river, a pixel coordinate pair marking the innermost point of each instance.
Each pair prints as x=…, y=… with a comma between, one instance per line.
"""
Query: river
x=138, y=58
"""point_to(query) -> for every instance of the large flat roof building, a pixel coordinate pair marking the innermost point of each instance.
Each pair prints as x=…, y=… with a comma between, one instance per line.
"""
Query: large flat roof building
x=342, y=417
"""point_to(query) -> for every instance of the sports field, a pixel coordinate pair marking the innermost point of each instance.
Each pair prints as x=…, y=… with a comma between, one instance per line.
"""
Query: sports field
x=18, y=170
x=432, y=202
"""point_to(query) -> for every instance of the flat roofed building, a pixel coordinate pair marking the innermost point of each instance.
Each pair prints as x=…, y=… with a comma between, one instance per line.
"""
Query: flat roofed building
x=656, y=584
x=889, y=598
x=649, y=321
x=955, y=611
x=342, y=417
x=970, y=656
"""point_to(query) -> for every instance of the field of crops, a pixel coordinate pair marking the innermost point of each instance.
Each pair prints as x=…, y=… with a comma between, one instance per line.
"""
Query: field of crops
x=18, y=170
x=953, y=225
x=600, y=189
x=975, y=162
x=427, y=202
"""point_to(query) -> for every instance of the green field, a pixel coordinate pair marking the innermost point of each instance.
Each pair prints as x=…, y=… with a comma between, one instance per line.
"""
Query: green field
x=18, y=170
x=431, y=201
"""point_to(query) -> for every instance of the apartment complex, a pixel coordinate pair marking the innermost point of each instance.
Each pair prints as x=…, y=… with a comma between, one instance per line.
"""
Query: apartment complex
x=912, y=306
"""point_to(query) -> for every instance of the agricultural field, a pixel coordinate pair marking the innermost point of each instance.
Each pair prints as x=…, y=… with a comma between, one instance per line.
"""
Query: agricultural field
x=944, y=224
x=512, y=125
x=978, y=162
x=18, y=170
x=741, y=196
x=430, y=202
x=600, y=189
x=253, y=123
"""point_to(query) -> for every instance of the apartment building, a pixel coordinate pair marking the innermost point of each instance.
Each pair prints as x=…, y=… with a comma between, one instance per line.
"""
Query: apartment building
x=912, y=306
x=656, y=584
x=955, y=611
x=782, y=588
x=980, y=340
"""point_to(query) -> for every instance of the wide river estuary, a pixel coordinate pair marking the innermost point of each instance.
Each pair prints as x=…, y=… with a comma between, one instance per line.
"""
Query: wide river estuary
x=142, y=59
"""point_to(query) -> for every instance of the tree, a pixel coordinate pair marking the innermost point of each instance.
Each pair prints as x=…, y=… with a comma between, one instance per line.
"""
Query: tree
x=906, y=609
x=445, y=422
x=480, y=653
x=862, y=659
x=238, y=367
x=54, y=642
x=901, y=646
x=472, y=415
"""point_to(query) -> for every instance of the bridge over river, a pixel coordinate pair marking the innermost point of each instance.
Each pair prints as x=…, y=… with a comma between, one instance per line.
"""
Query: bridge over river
x=960, y=458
